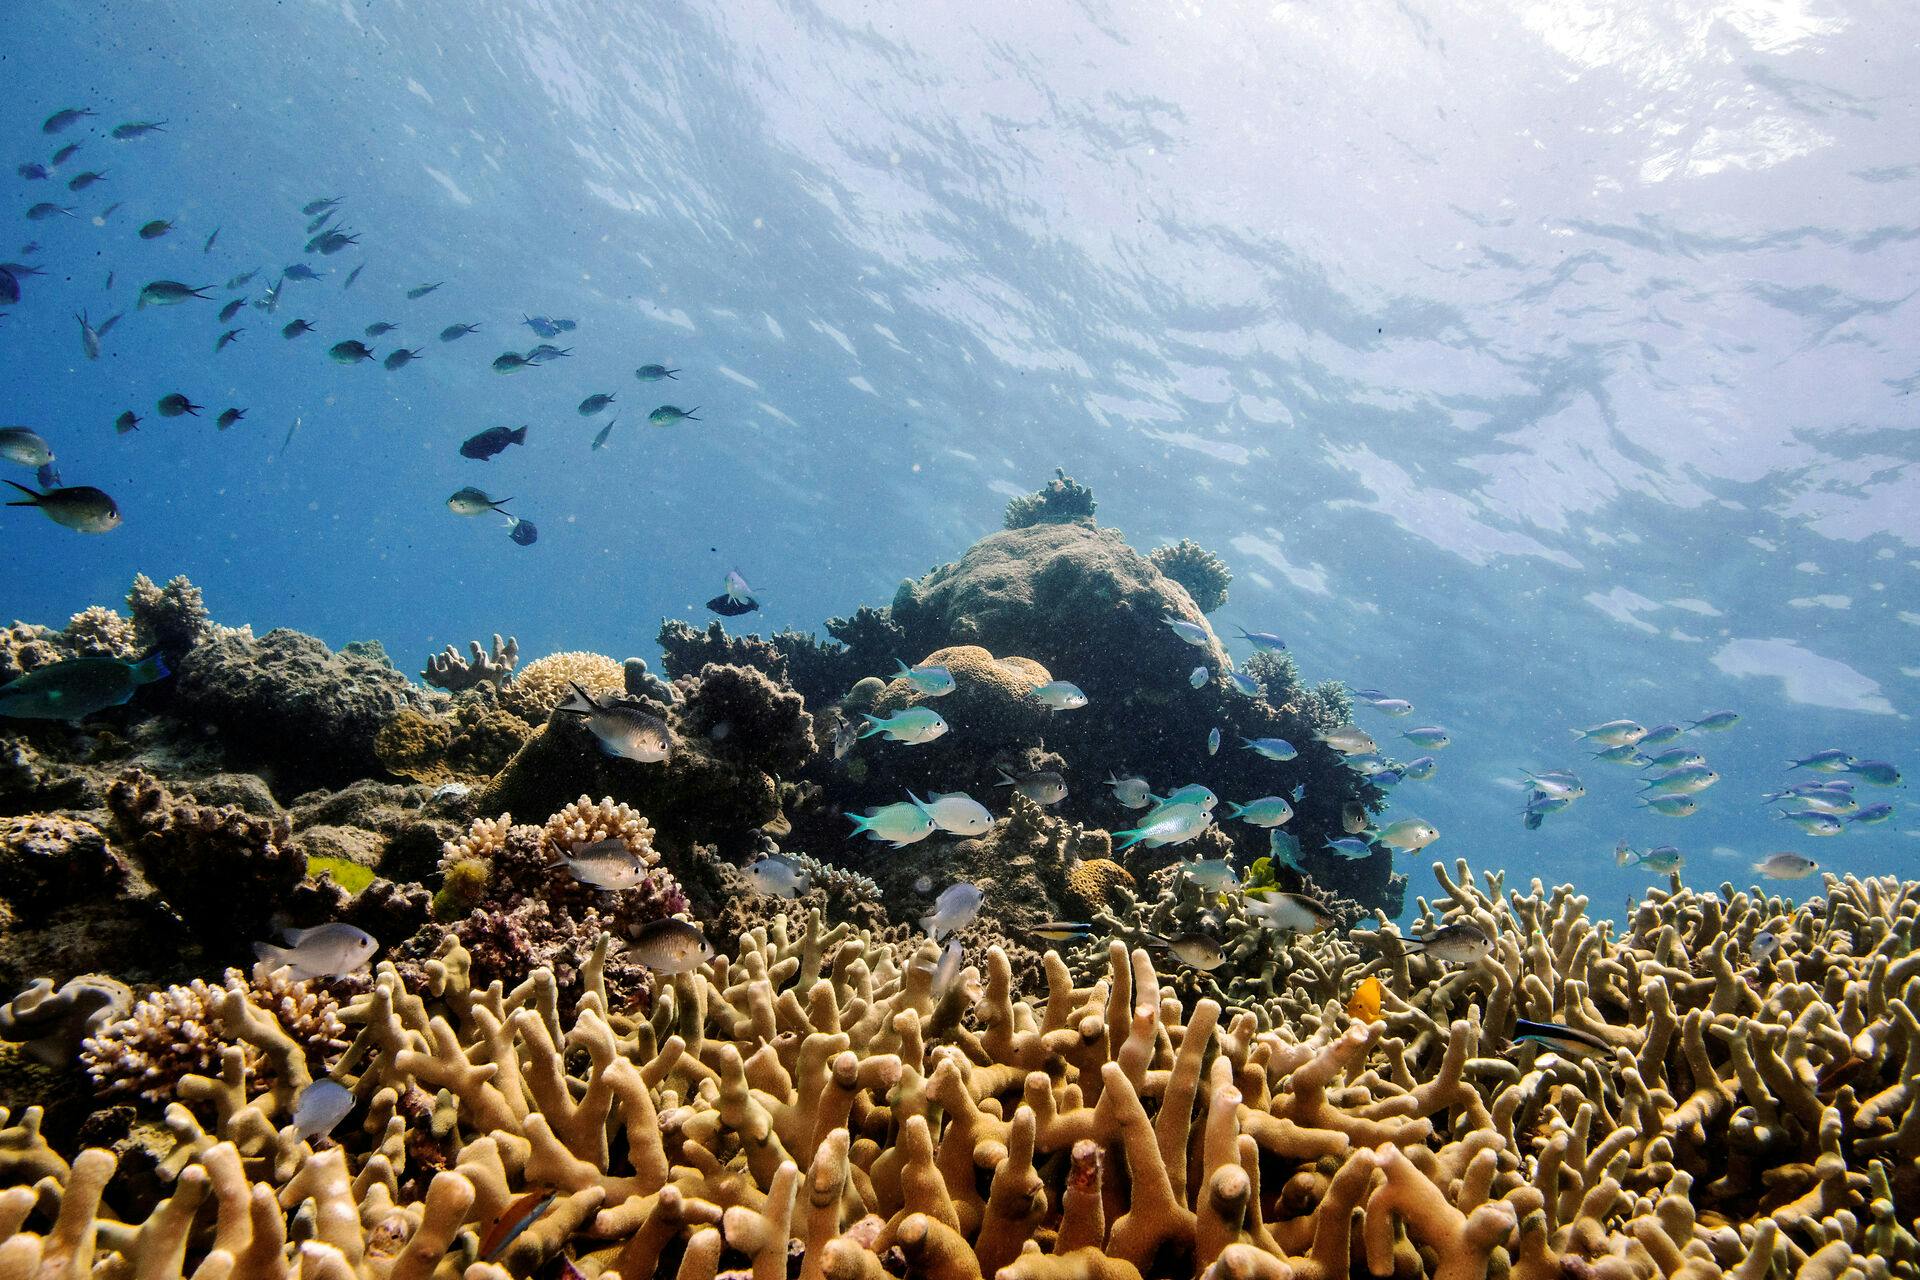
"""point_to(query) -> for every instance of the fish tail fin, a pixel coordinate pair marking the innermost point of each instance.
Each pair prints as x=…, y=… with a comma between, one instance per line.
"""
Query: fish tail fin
x=1133, y=836
x=671, y=373
x=861, y=822
x=275, y=956
x=1235, y=810
x=579, y=700
x=871, y=727
x=151, y=668
x=33, y=496
x=689, y=414
x=1006, y=779
x=904, y=668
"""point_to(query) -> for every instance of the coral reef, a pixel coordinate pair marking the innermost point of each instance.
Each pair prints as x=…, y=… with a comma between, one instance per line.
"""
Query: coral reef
x=545, y=683
x=513, y=904
x=173, y=617
x=189, y=1030
x=223, y=871
x=745, y=717
x=286, y=703
x=686, y=650
x=1061, y=502
x=815, y=1102
x=49, y=861
x=1204, y=574
x=448, y=670
x=471, y=744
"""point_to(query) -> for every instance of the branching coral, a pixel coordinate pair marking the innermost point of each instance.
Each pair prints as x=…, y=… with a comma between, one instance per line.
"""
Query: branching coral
x=448, y=670
x=1204, y=574
x=545, y=683
x=816, y=1098
x=1060, y=502
x=189, y=1030
x=99, y=632
x=173, y=617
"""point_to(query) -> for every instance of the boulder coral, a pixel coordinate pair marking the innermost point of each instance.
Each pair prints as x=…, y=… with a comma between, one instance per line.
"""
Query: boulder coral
x=745, y=717
x=287, y=704
x=223, y=871
x=470, y=744
x=814, y=1102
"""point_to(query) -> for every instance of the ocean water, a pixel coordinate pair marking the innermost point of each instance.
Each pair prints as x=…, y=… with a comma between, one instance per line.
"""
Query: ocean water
x=1535, y=363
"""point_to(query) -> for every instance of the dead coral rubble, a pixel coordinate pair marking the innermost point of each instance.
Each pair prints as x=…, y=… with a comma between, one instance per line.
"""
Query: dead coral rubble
x=815, y=1102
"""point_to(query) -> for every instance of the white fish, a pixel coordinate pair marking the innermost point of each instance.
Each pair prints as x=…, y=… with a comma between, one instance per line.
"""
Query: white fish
x=623, y=731
x=1060, y=695
x=946, y=971
x=1199, y=676
x=321, y=1107
x=1294, y=912
x=1131, y=791
x=777, y=877
x=956, y=813
x=326, y=951
x=956, y=908
x=1349, y=740
x=603, y=864
x=669, y=946
x=1192, y=632
x=1786, y=866
x=1213, y=741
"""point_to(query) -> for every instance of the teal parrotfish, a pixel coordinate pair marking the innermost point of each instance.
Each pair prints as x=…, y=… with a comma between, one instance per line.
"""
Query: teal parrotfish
x=77, y=687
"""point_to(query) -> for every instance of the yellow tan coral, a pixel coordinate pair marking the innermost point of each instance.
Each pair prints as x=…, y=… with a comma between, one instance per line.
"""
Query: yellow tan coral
x=816, y=1088
x=544, y=683
x=587, y=821
x=1094, y=881
x=470, y=745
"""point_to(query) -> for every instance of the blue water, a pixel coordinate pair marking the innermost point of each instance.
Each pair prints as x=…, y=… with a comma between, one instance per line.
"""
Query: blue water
x=1534, y=365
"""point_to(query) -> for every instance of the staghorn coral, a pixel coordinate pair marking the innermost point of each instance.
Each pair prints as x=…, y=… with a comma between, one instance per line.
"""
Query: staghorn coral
x=745, y=717
x=1061, y=502
x=173, y=617
x=1204, y=574
x=545, y=683
x=813, y=1098
x=448, y=670
x=189, y=1030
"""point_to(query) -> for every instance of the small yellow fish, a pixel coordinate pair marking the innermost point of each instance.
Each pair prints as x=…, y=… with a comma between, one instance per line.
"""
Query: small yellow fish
x=1365, y=1004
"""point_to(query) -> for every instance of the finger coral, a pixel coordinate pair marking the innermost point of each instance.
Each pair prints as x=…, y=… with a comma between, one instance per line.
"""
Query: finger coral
x=817, y=1101
x=448, y=670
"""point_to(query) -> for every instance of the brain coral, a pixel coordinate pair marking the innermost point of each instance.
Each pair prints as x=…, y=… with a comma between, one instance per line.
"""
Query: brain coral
x=1204, y=574
x=1093, y=882
x=544, y=683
